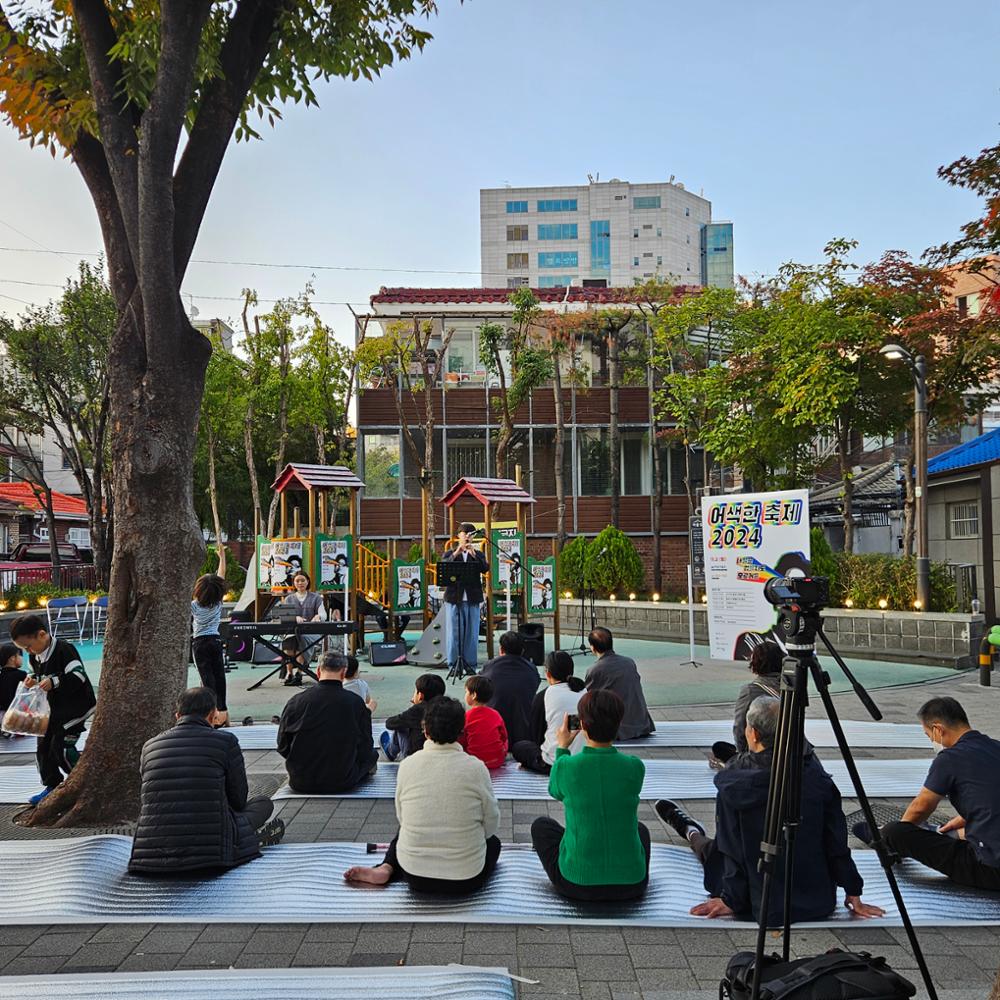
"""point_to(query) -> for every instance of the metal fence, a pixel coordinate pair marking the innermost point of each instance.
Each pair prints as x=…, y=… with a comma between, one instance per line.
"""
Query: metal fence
x=76, y=577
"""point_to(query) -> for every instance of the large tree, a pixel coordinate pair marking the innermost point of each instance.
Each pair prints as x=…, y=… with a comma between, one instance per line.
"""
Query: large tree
x=117, y=86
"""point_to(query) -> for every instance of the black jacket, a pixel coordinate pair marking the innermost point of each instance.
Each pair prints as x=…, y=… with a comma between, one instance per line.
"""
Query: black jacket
x=452, y=592
x=71, y=700
x=617, y=673
x=822, y=858
x=194, y=786
x=515, y=681
x=410, y=722
x=325, y=736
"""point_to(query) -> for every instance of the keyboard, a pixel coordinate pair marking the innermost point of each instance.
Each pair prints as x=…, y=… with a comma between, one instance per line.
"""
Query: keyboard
x=254, y=629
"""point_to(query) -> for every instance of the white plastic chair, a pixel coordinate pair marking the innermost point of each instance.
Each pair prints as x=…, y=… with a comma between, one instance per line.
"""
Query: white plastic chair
x=70, y=617
x=98, y=618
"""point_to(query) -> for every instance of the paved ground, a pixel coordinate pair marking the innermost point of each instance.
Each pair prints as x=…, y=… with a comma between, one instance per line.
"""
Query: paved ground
x=605, y=963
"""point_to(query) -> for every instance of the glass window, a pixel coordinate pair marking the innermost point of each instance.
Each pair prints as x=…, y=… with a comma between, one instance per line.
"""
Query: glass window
x=557, y=231
x=462, y=351
x=516, y=261
x=519, y=282
x=963, y=520
x=380, y=454
x=467, y=454
x=635, y=234
x=649, y=201
x=649, y=254
x=543, y=474
x=555, y=280
x=687, y=212
x=636, y=464
x=600, y=245
x=557, y=205
x=516, y=206
x=517, y=233
x=659, y=231
x=650, y=226
x=411, y=470
x=557, y=258
x=593, y=462
x=659, y=261
x=635, y=261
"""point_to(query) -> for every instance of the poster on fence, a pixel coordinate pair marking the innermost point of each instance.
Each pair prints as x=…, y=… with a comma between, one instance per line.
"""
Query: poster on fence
x=333, y=557
x=542, y=600
x=750, y=538
x=407, y=586
x=506, y=564
x=278, y=560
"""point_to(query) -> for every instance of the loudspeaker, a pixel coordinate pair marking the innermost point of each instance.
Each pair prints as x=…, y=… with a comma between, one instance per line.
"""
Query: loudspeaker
x=239, y=648
x=381, y=654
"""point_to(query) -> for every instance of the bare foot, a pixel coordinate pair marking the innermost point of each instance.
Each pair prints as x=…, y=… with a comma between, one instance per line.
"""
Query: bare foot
x=379, y=875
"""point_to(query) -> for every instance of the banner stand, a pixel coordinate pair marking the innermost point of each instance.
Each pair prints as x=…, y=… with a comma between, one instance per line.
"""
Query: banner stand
x=694, y=663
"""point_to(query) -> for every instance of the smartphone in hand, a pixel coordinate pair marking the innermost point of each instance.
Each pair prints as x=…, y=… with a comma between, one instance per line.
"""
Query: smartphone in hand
x=573, y=723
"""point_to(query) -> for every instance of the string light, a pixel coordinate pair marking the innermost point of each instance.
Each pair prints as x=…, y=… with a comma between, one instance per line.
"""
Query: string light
x=631, y=597
x=883, y=603
x=656, y=597
x=849, y=603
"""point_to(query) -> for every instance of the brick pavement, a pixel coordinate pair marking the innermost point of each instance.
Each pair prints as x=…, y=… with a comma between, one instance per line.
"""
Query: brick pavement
x=589, y=963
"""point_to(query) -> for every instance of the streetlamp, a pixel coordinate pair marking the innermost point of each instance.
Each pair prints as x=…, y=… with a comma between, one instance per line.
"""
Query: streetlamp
x=918, y=366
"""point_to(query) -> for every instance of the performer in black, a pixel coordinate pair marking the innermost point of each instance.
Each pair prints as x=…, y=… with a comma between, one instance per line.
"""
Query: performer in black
x=462, y=604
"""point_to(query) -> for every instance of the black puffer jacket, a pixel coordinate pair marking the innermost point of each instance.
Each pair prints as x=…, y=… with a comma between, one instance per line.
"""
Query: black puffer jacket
x=194, y=785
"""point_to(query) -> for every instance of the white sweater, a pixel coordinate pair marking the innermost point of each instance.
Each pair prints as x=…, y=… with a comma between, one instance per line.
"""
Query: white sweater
x=560, y=700
x=446, y=810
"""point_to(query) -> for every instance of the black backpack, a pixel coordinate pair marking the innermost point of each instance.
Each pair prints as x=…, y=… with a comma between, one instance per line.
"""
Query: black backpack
x=837, y=975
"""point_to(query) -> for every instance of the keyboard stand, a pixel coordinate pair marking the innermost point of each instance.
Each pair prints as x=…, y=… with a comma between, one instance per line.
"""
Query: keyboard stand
x=287, y=658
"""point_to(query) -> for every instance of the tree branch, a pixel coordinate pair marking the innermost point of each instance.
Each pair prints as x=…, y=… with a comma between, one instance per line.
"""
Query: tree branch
x=243, y=53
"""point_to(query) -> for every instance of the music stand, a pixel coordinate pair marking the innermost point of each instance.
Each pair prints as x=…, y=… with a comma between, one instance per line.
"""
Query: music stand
x=465, y=576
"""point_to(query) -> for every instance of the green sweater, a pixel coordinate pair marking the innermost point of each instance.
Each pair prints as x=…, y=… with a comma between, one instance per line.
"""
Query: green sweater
x=599, y=788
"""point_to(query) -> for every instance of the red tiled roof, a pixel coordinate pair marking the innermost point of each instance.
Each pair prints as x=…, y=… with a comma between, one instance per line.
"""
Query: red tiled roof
x=23, y=495
x=487, y=491
x=316, y=477
x=471, y=296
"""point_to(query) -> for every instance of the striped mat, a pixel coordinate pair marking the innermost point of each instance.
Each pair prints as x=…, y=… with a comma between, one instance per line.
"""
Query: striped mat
x=455, y=982
x=84, y=881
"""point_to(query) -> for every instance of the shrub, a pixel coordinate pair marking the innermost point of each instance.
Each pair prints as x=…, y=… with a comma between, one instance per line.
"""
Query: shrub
x=416, y=550
x=31, y=592
x=613, y=564
x=822, y=561
x=866, y=579
x=236, y=575
x=572, y=560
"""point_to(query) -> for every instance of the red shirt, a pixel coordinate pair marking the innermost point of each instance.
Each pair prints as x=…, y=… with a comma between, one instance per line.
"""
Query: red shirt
x=485, y=735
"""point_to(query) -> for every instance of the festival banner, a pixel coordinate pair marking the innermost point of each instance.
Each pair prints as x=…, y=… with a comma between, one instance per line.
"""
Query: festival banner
x=333, y=557
x=543, y=595
x=279, y=559
x=748, y=539
x=407, y=586
x=506, y=563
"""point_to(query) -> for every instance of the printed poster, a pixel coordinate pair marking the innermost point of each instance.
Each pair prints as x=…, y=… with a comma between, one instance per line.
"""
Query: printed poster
x=507, y=558
x=750, y=538
x=407, y=586
x=278, y=560
x=543, y=596
x=333, y=556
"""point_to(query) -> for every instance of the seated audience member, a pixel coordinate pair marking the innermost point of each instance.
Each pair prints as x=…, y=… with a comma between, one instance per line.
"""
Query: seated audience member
x=515, y=681
x=194, y=814
x=448, y=815
x=11, y=676
x=822, y=858
x=619, y=674
x=325, y=734
x=404, y=733
x=765, y=665
x=967, y=772
x=603, y=853
x=356, y=685
x=485, y=736
x=57, y=668
x=559, y=698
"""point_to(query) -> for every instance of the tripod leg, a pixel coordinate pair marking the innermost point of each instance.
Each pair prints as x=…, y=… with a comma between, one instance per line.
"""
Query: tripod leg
x=822, y=681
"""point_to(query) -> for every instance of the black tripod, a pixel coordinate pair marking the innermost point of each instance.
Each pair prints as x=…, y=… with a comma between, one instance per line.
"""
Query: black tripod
x=585, y=592
x=799, y=628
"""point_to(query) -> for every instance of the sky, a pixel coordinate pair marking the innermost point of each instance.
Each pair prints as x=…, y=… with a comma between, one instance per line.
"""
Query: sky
x=799, y=122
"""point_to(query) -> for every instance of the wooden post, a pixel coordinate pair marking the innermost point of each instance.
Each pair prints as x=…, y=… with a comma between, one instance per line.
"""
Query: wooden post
x=555, y=594
x=284, y=515
x=322, y=512
x=257, y=609
x=425, y=541
x=390, y=590
x=352, y=527
x=296, y=523
x=487, y=526
x=520, y=512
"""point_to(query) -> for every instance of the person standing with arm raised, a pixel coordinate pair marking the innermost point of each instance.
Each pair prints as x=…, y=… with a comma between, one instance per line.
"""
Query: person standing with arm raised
x=462, y=602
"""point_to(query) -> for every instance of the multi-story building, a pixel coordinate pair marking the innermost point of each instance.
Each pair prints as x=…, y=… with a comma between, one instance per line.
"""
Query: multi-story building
x=466, y=427
x=602, y=234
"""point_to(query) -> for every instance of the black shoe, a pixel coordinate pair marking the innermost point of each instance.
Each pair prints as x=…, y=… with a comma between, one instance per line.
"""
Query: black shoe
x=271, y=833
x=863, y=832
x=248, y=721
x=675, y=817
x=275, y=720
x=289, y=680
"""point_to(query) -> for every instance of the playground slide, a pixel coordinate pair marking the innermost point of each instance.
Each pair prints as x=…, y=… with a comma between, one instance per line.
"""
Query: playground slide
x=429, y=650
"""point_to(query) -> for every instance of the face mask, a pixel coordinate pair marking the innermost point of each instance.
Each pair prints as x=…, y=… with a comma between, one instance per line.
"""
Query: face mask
x=938, y=747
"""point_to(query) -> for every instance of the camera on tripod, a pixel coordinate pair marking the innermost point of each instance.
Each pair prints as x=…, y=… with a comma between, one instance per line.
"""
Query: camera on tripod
x=799, y=600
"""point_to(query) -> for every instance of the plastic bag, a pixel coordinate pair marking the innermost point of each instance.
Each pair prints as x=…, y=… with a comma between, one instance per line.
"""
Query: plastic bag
x=28, y=714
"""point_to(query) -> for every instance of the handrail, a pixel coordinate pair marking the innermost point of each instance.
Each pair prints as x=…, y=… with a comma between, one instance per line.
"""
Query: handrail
x=372, y=573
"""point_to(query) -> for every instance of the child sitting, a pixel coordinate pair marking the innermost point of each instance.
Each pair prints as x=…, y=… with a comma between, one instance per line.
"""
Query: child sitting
x=404, y=733
x=11, y=676
x=485, y=734
x=356, y=685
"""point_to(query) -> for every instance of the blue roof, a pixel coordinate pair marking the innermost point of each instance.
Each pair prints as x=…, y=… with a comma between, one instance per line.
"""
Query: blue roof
x=983, y=450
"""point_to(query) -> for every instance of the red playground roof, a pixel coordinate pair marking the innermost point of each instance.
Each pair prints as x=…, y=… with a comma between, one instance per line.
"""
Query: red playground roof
x=22, y=495
x=487, y=491
x=316, y=477
x=474, y=296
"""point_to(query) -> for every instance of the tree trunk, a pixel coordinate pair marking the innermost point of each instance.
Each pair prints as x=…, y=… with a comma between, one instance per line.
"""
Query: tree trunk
x=251, y=466
x=995, y=992
x=98, y=540
x=687, y=478
x=50, y=521
x=847, y=480
x=560, y=451
x=909, y=502
x=279, y=462
x=213, y=499
x=657, y=509
x=155, y=408
x=614, y=435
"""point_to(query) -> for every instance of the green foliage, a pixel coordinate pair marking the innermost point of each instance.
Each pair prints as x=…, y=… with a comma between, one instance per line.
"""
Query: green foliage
x=236, y=575
x=823, y=562
x=620, y=569
x=416, y=551
x=572, y=560
x=34, y=591
x=868, y=578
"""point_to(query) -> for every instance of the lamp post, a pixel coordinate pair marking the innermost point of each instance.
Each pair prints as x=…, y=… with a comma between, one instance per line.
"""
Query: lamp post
x=918, y=367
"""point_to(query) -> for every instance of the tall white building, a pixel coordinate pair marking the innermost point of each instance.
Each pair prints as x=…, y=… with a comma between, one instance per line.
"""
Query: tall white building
x=602, y=234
